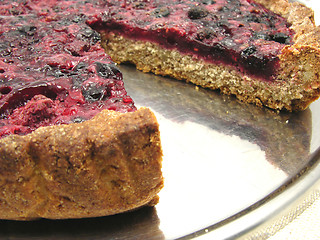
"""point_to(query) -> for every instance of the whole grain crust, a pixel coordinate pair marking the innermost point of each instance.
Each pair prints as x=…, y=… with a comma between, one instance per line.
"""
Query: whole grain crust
x=103, y=166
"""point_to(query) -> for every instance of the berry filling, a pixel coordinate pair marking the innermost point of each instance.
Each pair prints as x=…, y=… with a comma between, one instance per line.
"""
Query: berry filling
x=237, y=33
x=54, y=71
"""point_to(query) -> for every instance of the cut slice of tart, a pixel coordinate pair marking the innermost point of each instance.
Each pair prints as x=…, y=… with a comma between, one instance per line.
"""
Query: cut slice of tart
x=263, y=52
x=72, y=143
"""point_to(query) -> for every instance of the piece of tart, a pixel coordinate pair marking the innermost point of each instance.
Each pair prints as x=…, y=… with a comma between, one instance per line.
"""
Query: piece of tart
x=72, y=143
x=263, y=52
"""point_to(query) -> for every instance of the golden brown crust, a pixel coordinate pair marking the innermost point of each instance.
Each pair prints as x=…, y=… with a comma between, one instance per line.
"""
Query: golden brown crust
x=296, y=84
x=100, y=167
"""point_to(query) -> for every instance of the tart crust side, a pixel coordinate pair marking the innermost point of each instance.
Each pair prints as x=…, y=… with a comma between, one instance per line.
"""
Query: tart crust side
x=104, y=166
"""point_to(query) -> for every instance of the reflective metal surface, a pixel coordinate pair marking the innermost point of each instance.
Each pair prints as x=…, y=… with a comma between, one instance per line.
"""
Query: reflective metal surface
x=228, y=167
x=222, y=158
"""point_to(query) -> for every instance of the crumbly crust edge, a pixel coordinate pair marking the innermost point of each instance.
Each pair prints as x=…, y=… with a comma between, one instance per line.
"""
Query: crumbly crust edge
x=104, y=166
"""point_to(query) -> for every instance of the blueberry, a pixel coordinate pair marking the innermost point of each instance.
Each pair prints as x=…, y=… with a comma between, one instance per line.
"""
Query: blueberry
x=217, y=51
x=261, y=35
x=5, y=49
x=77, y=81
x=79, y=18
x=139, y=5
x=253, y=18
x=228, y=43
x=257, y=63
x=108, y=71
x=234, y=2
x=197, y=12
x=208, y=2
x=94, y=92
x=204, y=33
x=80, y=67
x=161, y=12
x=27, y=30
x=5, y=90
x=224, y=9
x=248, y=51
x=78, y=120
x=53, y=71
x=280, y=38
x=90, y=34
x=224, y=27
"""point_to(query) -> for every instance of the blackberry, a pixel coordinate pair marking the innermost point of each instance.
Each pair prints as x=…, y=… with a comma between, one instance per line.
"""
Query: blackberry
x=78, y=120
x=197, y=12
x=27, y=30
x=161, y=12
x=248, y=51
x=207, y=2
x=90, y=34
x=204, y=33
x=108, y=71
x=80, y=67
x=93, y=92
x=280, y=38
x=261, y=35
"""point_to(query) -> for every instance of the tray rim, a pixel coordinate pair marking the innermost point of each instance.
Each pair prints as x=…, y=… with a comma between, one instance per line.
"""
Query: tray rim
x=268, y=210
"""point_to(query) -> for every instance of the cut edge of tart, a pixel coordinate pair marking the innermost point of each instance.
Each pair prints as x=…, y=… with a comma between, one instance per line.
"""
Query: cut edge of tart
x=295, y=83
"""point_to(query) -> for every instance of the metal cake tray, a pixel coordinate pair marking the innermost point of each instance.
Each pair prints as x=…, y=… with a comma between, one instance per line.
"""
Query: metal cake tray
x=229, y=168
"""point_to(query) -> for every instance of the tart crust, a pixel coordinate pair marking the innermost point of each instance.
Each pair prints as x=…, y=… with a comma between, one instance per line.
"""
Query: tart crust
x=296, y=83
x=103, y=166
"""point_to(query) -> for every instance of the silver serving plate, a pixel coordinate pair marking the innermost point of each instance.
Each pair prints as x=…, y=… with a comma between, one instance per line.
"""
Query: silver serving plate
x=230, y=168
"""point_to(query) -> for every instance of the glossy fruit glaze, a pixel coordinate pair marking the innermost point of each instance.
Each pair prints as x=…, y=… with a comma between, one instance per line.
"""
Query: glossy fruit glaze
x=54, y=71
x=239, y=33
x=52, y=67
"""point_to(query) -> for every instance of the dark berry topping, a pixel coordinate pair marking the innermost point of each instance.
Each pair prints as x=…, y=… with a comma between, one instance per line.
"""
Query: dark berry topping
x=217, y=31
x=91, y=35
x=280, y=38
x=139, y=5
x=108, y=70
x=27, y=30
x=81, y=67
x=161, y=12
x=208, y=2
x=5, y=90
x=205, y=33
x=93, y=91
x=248, y=51
x=78, y=120
x=52, y=68
x=261, y=35
x=197, y=12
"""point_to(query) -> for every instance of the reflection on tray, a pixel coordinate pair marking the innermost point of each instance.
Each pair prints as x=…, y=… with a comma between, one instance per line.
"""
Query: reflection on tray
x=221, y=156
x=143, y=221
x=285, y=137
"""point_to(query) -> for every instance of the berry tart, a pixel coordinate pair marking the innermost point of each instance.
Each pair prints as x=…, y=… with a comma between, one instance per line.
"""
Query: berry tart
x=72, y=143
x=263, y=52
